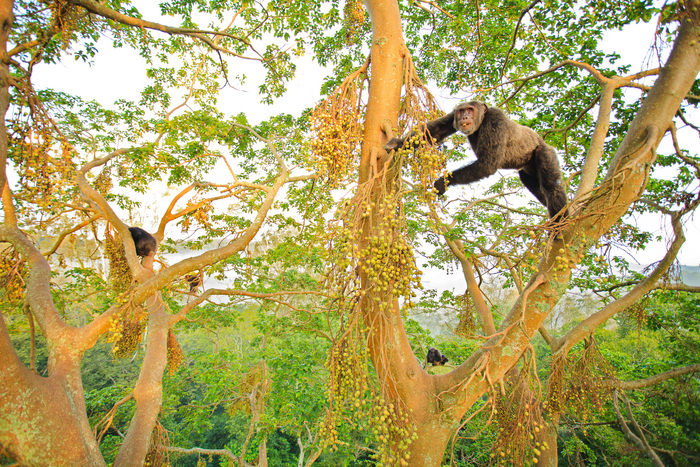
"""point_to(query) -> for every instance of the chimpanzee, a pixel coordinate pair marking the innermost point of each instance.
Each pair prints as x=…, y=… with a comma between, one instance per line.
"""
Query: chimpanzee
x=144, y=242
x=435, y=357
x=194, y=280
x=499, y=143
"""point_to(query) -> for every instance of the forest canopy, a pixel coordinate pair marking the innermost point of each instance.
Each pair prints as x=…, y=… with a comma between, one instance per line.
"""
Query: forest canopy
x=303, y=273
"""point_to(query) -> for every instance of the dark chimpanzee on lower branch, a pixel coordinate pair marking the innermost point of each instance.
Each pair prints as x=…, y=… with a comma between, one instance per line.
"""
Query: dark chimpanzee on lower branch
x=194, y=280
x=435, y=357
x=499, y=143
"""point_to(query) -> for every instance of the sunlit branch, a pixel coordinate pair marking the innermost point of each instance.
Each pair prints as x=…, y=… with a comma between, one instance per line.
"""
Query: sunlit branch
x=169, y=216
x=32, y=336
x=437, y=7
x=199, y=34
x=244, y=293
x=589, y=173
x=679, y=152
x=685, y=121
x=596, y=74
x=648, y=146
x=646, y=88
x=457, y=248
x=678, y=288
x=210, y=452
x=38, y=281
x=212, y=256
x=515, y=34
x=148, y=390
x=8, y=206
x=107, y=420
x=65, y=233
x=640, y=440
x=653, y=380
x=587, y=326
x=108, y=212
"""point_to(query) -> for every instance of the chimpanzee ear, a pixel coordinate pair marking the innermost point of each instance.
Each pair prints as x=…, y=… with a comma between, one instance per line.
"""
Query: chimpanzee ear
x=486, y=107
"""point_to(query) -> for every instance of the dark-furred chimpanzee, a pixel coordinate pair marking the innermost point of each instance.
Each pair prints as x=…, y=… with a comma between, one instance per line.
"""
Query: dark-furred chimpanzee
x=499, y=143
x=194, y=280
x=435, y=357
x=144, y=242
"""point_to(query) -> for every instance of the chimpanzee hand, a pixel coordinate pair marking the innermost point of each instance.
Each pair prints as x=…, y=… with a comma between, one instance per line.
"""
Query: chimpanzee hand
x=396, y=144
x=439, y=186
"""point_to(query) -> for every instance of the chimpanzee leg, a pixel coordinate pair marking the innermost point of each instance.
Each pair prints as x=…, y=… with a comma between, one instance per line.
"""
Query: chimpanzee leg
x=549, y=174
x=532, y=183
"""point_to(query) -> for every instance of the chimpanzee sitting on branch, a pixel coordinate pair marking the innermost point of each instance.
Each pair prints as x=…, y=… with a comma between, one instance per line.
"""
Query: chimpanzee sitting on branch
x=435, y=357
x=499, y=143
x=144, y=242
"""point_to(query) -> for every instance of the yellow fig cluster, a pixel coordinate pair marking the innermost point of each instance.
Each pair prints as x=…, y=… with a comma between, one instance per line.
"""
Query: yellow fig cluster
x=584, y=389
x=103, y=183
x=423, y=160
x=534, y=254
x=175, y=355
x=126, y=330
x=393, y=432
x=519, y=414
x=120, y=277
x=348, y=367
x=565, y=259
x=348, y=383
x=353, y=18
x=44, y=162
x=384, y=258
x=335, y=141
x=12, y=270
x=200, y=216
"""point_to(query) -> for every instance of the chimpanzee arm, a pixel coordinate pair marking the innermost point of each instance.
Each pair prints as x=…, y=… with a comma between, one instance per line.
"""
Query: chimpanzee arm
x=481, y=168
x=489, y=144
x=437, y=129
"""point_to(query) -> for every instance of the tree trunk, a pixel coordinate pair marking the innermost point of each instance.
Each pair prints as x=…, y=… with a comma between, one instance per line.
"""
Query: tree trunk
x=148, y=392
x=42, y=421
x=5, y=26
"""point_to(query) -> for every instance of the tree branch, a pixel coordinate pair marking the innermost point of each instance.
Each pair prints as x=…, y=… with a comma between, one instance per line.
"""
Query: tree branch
x=642, y=443
x=515, y=34
x=652, y=380
x=101, y=10
x=209, y=452
x=65, y=233
x=587, y=326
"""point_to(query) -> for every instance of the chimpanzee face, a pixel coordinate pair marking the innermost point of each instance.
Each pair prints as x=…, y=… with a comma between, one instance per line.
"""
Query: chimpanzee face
x=468, y=117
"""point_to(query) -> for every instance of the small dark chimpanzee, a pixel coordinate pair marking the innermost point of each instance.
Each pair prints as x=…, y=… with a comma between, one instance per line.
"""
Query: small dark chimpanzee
x=499, y=143
x=194, y=280
x=144, y=242
x=435, y=357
